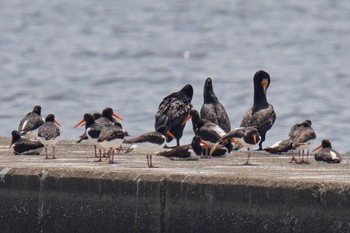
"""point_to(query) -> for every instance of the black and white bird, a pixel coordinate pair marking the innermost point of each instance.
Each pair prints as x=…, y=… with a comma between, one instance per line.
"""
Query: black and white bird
x=84, y=136
x=28, y=126
x=93, y=130
x=212, y=109
x=107, y=117
x=173, y=110
x=151, y=142
x=302, y=137
x=280, y=146
x=48, y=133
x=243, y=136
x=191, y=151
x=207, y=130
x=111, y=138
x=261, y=115
x=327, y=153
x=24, y=146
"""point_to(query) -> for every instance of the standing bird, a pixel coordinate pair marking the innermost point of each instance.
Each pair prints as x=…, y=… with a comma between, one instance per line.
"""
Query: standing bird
x=212, y=109
x=48, y=132
x=107, y=117
x=173, y=110
x=28, y=126
x=243, y=136
x=93, y=130
x=261, y=115
x=327, y=154
x=111, y=137
x=24, y=146
x=84, y=136
x=191, y=151
x=302, y=137
x=150, y=142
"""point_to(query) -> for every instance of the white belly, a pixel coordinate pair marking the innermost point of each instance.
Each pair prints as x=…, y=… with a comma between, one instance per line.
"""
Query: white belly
x=46, y=143
x=149, y=147
x=111, y=144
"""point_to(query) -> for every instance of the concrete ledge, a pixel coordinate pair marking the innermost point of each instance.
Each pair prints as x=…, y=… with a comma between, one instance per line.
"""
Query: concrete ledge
x=202, y=196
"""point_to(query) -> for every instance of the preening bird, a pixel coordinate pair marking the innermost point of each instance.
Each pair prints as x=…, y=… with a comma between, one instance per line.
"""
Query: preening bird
x=212, y=109
x=28, y=126
x=302, y=137
x=173, y=110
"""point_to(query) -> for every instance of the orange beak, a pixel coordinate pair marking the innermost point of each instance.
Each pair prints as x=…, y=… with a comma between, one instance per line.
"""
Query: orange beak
x=56, y=122
x=116, y=116
x=236, y=142
x=317, y=148
x=170, y=134
x=264, y=84
x=80, y=123
x=187, y=118
x=206, y=145
x=254, y=137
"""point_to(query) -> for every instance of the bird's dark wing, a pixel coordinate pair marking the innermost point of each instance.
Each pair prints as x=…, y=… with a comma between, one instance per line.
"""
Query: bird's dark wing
x=48, y=131
x=30, y=122
x=262, y=120
x=216, y=113
x=179, y=152
x=172, y=111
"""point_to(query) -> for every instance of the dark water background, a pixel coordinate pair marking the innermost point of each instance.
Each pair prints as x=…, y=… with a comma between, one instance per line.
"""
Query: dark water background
x=73, y=57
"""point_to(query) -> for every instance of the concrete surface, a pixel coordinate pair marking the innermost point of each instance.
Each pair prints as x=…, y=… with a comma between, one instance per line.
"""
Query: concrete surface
x=75, y=194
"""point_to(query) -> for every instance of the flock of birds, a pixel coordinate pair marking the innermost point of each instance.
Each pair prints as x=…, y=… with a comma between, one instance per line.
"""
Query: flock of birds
x=211, y=126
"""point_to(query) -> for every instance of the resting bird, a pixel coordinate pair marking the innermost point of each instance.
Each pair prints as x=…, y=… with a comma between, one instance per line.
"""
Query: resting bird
x=84, y=136
x=207, y=130
x=173, y=110
x=93, y=130
x=280, y=146
x=243, y=136
x=24, y=146
x=107, y=117
x=212, y=109
x=151, y=142
x=191, y=151
x=48, y=132
x=111, y=137
x=327, y=153
x=261, y=115
x=302, y=136
x=28, y=126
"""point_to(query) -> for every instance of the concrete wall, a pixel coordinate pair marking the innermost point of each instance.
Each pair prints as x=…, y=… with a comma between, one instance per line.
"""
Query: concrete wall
x=81, y=201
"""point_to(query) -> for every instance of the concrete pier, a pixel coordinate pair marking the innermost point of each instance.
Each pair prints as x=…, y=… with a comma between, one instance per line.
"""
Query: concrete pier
x=75, y=194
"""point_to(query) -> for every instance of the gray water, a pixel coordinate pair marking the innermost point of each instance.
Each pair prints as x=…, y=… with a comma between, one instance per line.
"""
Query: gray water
x=73, y=57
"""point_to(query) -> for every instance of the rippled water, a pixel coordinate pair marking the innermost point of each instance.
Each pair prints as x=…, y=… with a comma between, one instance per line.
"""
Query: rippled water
x=72, y=57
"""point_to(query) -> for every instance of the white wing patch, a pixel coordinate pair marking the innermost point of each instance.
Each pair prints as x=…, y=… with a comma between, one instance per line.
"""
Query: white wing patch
x=333, y=155
x=24, y=125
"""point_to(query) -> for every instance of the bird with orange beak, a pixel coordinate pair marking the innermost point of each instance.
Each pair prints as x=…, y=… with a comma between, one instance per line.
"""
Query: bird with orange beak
x=243, y=136
x=151, y=142
x=326, y=153
x=261, y=115
x=48, y=132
